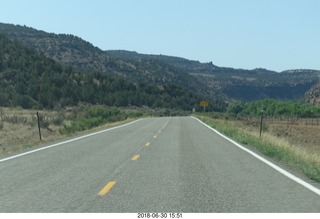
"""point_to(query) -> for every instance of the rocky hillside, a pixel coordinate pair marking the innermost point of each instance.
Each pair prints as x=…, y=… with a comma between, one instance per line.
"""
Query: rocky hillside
x=202, y=78
x=83, y=56
x=313, y=95
x=67, y=49
x=240, y=84
x=29, y=79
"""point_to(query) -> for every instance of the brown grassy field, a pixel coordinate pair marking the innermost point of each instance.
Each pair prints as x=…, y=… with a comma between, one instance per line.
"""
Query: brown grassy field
x=300, y=132
x=19, y=128
x=301, y=135
x=292, y=143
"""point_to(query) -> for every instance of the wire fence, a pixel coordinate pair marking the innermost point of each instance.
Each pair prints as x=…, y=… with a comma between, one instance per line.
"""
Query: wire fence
x=291, y=120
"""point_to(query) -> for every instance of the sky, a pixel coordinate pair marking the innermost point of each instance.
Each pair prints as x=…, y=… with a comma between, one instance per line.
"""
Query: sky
x=273, y=34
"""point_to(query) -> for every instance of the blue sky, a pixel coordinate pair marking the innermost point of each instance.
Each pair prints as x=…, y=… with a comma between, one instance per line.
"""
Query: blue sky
x=273, y=34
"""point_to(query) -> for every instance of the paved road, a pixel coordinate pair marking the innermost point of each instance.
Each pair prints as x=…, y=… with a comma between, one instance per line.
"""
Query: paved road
x=151, y=165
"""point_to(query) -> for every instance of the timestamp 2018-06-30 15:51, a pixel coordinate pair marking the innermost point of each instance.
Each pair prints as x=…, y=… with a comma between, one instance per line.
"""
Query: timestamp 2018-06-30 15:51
x=159, y=215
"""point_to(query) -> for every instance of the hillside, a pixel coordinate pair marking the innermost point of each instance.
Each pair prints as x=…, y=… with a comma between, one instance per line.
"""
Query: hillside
x=313, y=95
x=67, y=49
x=83, y=56
x=31, y=80
x=205, y=79
x=240, y=84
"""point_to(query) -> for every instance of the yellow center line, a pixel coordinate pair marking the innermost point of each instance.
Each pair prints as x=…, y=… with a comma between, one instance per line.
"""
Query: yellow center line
x=135, y=157
x=107, y=188
x=156, y=135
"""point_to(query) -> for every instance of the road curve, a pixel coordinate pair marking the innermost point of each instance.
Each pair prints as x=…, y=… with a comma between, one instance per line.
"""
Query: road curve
x=152, y=165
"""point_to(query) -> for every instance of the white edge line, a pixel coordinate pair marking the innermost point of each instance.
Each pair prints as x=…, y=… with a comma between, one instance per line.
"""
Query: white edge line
x=68, y=141
x=280, y=170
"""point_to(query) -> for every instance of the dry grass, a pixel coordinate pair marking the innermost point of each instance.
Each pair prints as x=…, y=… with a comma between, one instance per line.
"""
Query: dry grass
x=307, y=154
x=19, y=127
x=283, y=147
x=304, y=136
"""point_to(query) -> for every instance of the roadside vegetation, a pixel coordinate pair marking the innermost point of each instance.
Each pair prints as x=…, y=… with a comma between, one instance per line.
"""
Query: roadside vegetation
x=305, y=159
x=272, y=107
x=93, y=116
x=19, y=127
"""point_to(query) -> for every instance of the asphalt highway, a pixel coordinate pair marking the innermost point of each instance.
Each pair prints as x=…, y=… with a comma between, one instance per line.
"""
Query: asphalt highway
x=151, y=165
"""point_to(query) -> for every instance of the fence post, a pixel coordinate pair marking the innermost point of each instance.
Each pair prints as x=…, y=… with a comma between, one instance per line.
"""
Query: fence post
x=39, y=126
x=261, y=119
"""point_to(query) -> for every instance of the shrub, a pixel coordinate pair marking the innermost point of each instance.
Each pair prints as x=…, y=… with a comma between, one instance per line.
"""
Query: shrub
x=93, y=116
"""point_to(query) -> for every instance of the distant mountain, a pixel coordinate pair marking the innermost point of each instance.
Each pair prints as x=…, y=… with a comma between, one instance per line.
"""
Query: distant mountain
x=240, y=84
x=205, y=79
x=184, y=65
